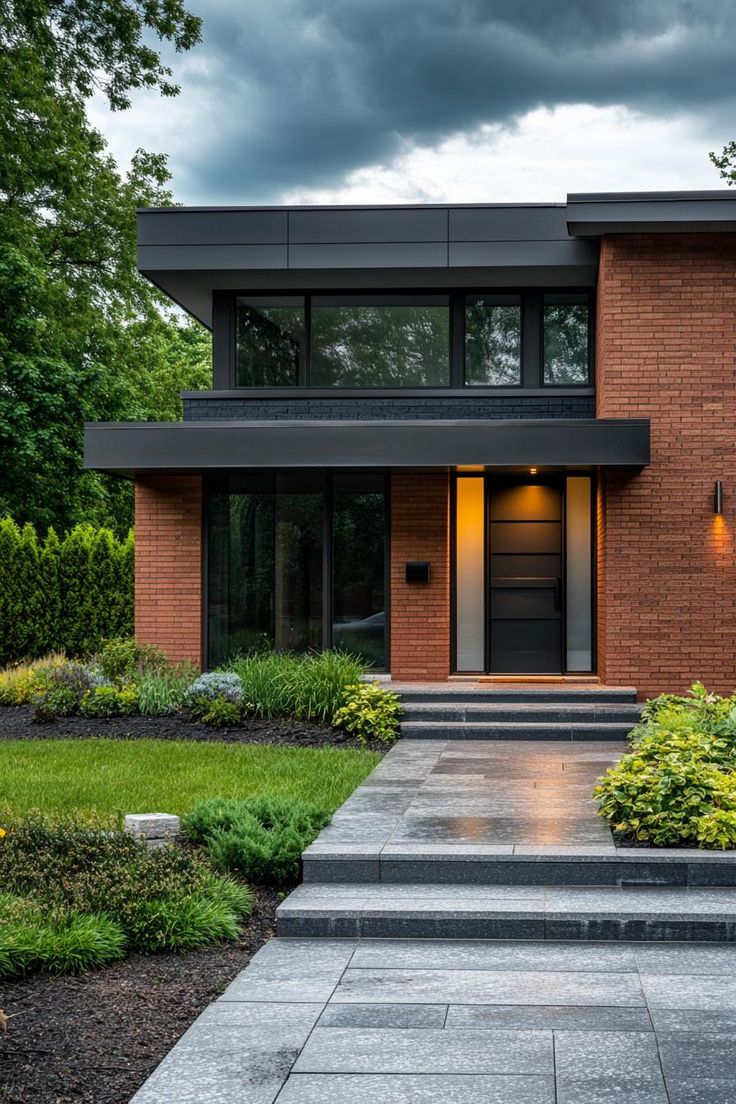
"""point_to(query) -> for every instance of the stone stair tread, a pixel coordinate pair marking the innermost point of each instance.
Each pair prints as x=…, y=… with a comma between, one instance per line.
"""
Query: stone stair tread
x=509, y=912
x=469, y=730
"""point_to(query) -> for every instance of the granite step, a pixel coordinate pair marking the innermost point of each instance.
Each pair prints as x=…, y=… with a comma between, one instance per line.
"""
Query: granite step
x=588, y=713
x=422, y=911
x=448, y=692
x=489, y=865
x=515, y=730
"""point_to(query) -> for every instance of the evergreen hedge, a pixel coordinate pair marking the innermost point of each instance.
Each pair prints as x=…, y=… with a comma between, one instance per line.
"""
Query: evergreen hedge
x=62, y=595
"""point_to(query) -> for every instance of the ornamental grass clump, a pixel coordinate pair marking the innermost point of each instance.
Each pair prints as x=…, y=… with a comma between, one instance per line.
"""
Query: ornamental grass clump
x=81, y=880
x=306, y=688
x=677, y=786
x=261, y=838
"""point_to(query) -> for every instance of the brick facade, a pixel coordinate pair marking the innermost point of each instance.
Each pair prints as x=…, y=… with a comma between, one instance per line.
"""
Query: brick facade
x=168, y=564
x=666, y=350
x=420, y=613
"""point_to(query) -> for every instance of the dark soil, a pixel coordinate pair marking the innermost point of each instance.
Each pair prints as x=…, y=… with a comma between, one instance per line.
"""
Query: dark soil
x=95, y=1039
x=16, y=723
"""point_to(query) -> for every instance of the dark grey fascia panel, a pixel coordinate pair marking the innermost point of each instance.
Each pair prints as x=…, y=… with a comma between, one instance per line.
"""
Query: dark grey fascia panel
x=658, y=212
x=152, y=258
x=378, y=224
x=125, y=448
x=522, y=254
x=535, y=222
x=369, y=255
x=211, y=227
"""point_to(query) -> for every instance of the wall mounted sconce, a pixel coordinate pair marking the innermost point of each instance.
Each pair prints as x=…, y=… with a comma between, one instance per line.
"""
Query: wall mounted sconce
x=718, y=497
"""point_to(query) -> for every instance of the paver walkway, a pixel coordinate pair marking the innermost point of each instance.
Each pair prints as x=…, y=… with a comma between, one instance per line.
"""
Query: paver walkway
x=427, y=1022
x=475, y=1021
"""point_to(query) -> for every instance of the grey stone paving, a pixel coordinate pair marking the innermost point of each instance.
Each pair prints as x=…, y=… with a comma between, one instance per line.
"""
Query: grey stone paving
x=452, y=834
x=418, y=1022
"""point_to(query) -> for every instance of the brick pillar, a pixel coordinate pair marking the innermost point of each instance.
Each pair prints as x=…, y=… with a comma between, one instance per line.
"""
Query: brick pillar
x=666, y=350
x=420, y=613
x=168, y=564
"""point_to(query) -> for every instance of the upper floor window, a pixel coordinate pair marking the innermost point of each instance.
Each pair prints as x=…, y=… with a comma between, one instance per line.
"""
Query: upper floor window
x=380, y=341
x=270, y=341
x=566, y=339
x=527, y=339
x=493, y=340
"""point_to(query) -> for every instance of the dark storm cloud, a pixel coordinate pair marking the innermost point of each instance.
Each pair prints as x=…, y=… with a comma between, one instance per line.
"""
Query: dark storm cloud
x=302, y=91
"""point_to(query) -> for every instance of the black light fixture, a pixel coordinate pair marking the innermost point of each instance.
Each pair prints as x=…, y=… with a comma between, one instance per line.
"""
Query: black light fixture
x=718, y=497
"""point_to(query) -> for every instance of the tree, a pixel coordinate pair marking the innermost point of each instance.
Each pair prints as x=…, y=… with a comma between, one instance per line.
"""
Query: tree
x=725, y=162
x=82, y=335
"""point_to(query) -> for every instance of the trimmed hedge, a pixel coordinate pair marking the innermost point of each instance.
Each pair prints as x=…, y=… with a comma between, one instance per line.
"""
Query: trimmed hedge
x=62, y=595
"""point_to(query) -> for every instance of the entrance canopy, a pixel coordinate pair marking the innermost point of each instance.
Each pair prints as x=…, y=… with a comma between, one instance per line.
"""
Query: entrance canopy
x=124, y=448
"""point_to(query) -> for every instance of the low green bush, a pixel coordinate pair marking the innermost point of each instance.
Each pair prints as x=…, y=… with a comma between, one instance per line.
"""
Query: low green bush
x=369, y=712
x=678, y=784
x=123, y=658
x=56, y=943
x=109, y=701
x=164, y=899
x=261, y=838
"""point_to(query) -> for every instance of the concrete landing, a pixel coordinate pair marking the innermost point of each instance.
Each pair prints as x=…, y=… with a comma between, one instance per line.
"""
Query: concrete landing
x=403, y=1022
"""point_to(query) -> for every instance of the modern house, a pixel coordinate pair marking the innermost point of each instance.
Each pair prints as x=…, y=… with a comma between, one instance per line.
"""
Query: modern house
x=459, y=440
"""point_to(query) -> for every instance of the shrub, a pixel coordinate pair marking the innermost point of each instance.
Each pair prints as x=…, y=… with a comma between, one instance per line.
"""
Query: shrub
x=59, y=690
x=678, y=784
x=108, y=701
x=56, y=942
x=221, y=713
x=123, y=658
x=369, y=712
x=17, y=683
x=215, y=698
x=161, y=692
x=261, y=837
x=167, y=899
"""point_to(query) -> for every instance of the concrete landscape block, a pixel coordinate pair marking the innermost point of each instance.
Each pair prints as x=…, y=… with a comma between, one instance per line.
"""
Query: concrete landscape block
x=155, y=828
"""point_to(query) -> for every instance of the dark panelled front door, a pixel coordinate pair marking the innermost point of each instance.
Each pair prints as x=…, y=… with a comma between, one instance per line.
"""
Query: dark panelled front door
x=525, y=573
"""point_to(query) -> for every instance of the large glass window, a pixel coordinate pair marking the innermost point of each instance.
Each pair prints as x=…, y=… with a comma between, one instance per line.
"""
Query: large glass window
x=493, y=340
x=270, y=341
x=269, y=539
x=358, y=580
x=380, y=341
x=565, y=323
x=487, y=339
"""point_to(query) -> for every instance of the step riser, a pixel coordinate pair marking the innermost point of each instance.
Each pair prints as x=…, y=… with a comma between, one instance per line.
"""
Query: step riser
x=601, y=715
x=520, y=697
x=702, y=875
x=650, y=930
x=443, y=730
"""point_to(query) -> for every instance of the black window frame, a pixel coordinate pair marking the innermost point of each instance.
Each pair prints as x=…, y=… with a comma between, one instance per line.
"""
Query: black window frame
x=532, y=345
x=324, y=482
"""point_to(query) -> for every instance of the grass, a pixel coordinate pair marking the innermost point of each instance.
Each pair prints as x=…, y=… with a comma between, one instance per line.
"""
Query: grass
x=108, y=778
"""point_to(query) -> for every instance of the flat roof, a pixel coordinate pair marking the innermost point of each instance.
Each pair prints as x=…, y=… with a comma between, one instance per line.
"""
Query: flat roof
x=128, y=448
x=190, y=252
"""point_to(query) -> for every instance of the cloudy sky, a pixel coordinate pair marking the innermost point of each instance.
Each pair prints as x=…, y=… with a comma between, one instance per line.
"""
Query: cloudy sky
x=352, y=101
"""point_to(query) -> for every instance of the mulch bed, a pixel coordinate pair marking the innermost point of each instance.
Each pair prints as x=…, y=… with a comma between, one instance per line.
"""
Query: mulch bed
x=95, y=1039
x=16, y=724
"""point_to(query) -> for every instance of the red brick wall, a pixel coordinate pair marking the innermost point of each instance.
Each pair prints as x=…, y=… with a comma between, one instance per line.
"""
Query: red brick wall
x=420, y=614
x=168, y=564
x=666, y=350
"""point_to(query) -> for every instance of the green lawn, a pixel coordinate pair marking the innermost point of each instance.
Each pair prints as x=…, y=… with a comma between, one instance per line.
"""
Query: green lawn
x=113, y=777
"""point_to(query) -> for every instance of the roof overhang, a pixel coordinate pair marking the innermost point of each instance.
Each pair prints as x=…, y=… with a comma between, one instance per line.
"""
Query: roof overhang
x=127, y=448
x=591, y=215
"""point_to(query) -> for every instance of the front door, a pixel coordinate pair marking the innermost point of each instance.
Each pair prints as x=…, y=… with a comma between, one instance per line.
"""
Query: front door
x=525, y=574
